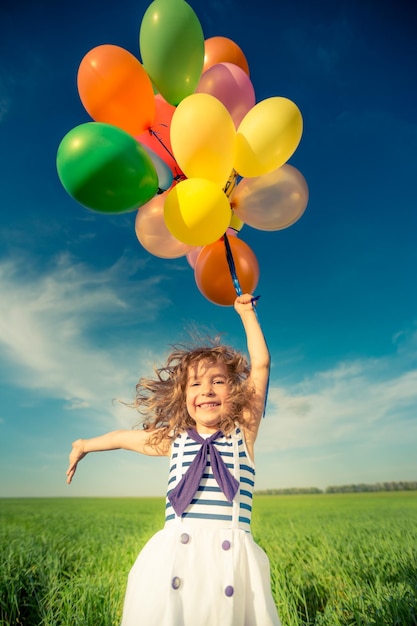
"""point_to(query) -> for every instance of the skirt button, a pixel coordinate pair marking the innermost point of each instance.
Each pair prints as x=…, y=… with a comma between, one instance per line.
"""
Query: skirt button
x=226, y=545
x=185, y=538
x=176, y=582
x=229, y=591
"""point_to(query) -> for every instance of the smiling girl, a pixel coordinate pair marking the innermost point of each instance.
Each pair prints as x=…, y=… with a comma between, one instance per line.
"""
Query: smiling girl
x=202, y=409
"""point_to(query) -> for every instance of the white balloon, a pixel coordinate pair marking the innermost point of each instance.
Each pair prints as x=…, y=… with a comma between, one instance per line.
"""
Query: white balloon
x=272, y=201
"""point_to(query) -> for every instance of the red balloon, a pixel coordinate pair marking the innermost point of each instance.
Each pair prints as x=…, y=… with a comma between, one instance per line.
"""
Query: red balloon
x=213, y=276
x=157, y=136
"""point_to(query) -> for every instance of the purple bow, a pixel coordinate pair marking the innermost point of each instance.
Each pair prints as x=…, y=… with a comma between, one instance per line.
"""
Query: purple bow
x=181, y=496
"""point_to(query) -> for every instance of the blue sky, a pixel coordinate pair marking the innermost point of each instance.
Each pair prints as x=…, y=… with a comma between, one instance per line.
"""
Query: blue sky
x=85, y=310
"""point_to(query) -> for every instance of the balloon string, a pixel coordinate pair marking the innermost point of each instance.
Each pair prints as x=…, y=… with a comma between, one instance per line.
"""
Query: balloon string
x=232, y=267
x=156, y=135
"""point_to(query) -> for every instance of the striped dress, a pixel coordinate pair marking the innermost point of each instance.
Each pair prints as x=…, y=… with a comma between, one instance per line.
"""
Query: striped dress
x=204, y=568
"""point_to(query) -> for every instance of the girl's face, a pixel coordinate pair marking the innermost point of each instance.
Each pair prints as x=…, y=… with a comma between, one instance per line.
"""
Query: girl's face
x=207, y=395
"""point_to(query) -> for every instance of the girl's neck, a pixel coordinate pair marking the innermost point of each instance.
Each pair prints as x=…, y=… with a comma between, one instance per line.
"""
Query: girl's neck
x=205, y=430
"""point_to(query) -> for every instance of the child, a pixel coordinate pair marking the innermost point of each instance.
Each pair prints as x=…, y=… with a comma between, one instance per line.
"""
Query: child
x=203, y=410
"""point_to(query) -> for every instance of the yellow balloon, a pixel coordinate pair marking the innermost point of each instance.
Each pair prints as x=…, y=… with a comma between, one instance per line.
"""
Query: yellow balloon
x=267, y=136
x=203, y=138
x=197, y=212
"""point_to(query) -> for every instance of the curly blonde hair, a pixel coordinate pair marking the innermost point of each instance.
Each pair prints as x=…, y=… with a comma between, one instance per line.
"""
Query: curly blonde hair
x=162, y=400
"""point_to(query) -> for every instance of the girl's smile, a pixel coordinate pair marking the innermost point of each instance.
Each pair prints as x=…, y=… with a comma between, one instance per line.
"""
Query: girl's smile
x=207, y=395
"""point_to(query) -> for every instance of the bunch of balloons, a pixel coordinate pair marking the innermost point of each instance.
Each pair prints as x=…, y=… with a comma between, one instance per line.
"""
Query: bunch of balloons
x=180, y=138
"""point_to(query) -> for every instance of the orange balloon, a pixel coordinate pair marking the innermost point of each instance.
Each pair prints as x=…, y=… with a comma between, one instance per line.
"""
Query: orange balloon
x=115, y=88
x=223, y=50
x=213, y=276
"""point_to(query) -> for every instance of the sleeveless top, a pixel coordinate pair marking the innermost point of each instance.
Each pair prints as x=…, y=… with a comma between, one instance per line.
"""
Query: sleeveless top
x=209, y=505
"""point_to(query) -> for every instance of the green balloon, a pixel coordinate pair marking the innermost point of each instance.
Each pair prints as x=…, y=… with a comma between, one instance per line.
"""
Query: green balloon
x=171, y=44
x=105, y=169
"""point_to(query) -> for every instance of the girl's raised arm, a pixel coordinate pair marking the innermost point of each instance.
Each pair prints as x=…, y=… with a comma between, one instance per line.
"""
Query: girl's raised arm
x=259, y=360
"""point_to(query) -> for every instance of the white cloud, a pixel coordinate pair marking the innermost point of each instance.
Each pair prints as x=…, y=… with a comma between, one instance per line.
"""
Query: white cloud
x=48, y=322
x=369, y=400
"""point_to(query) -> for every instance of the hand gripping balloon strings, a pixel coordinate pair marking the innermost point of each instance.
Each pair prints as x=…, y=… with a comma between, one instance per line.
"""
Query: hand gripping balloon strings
x=238, y=289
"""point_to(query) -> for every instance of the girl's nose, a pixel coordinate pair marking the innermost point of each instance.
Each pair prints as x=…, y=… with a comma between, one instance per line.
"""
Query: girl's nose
x=207, y=389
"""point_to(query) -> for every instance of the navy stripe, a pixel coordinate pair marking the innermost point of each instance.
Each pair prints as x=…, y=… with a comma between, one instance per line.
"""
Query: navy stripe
x=206, y=488
x=188, y=463
x=247, y=481
x=211, y=475
x=243, y=492
x=247, y=468
x=225, y=518
x=211, y=502
x=245, y=506
x=171, y=469
x=245, y=520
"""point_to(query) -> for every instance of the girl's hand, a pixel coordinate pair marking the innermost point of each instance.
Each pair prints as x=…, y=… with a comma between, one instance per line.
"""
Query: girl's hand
x=243, y=303
x=77, y=453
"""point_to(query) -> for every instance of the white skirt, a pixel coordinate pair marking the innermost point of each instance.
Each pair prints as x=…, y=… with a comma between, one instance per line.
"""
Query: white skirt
x=194, y=575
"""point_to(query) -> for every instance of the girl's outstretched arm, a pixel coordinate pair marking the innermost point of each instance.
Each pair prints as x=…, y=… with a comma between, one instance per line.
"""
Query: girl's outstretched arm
x=135, y=440
x=259, y=362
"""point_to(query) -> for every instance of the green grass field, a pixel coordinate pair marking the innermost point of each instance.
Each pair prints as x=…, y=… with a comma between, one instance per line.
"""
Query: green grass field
x=346, y=559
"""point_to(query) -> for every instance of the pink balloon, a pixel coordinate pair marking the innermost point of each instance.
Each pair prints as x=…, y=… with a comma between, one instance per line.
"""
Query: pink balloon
x=153, y=234
x=232, y=86
x=192, y=255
